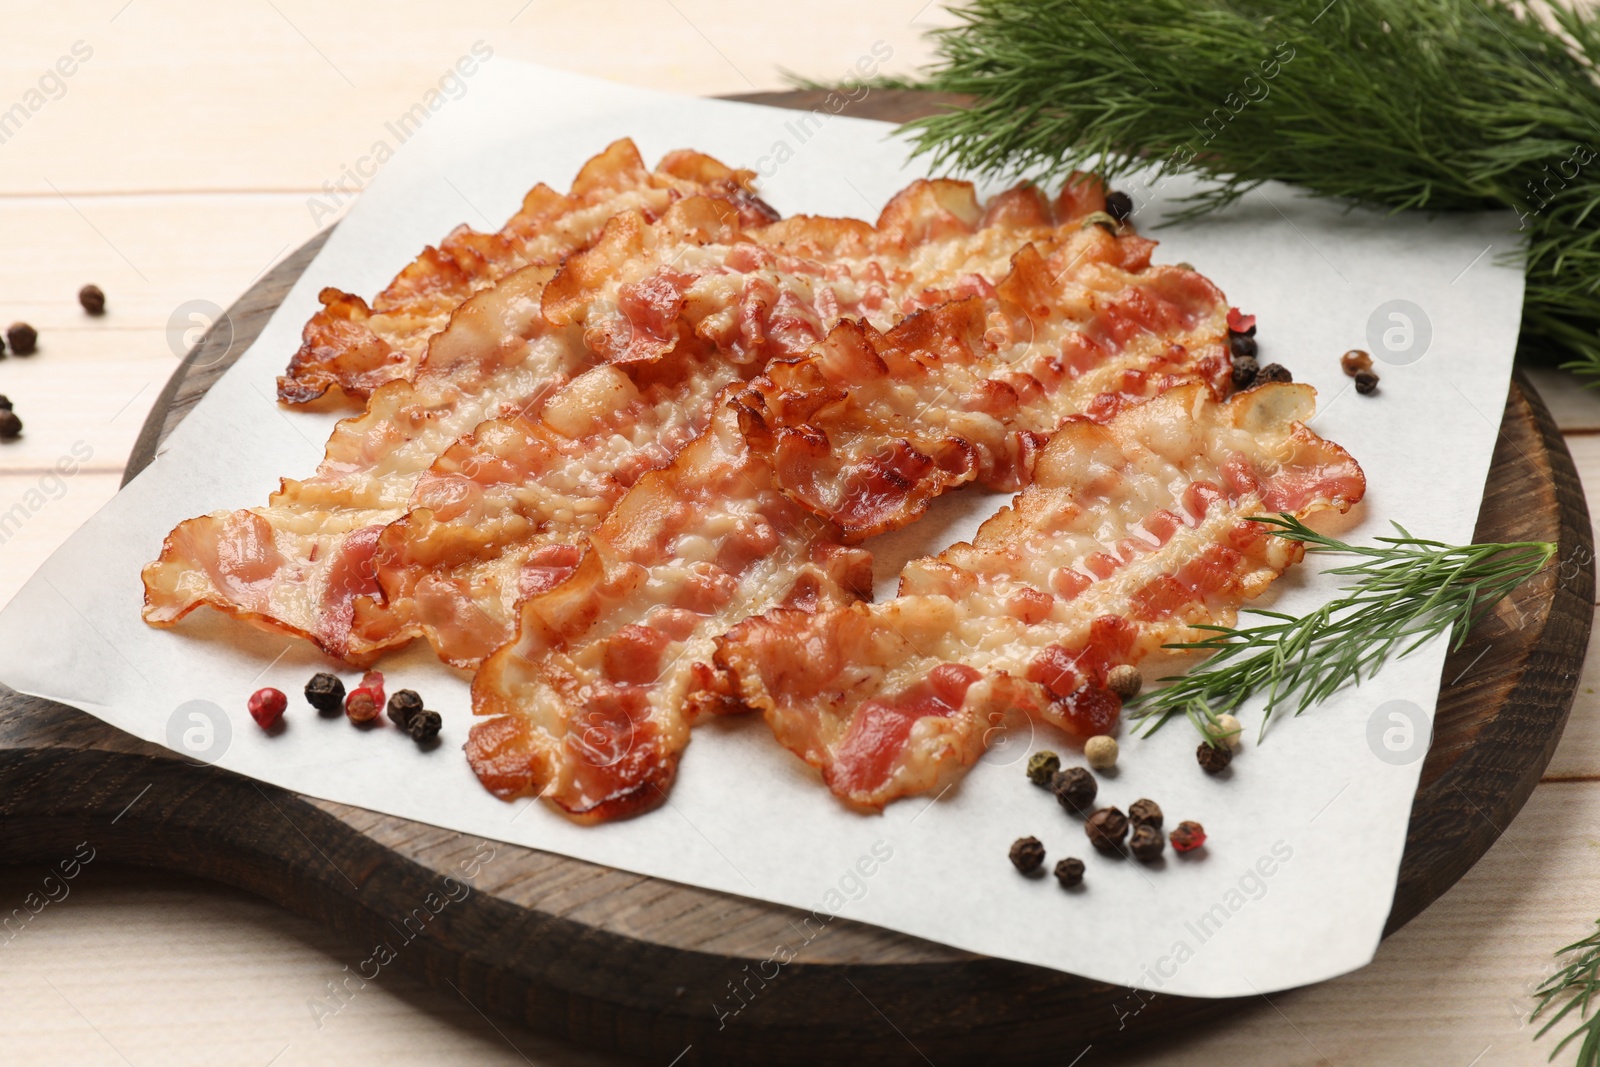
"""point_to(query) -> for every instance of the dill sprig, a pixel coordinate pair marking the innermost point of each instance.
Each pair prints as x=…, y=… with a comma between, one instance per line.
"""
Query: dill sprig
x=1405, y=591
x=1433, y=104
x=1574, y=986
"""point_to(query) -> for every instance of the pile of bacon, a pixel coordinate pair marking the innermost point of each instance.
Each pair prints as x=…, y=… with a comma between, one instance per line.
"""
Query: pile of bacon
x=617, y=458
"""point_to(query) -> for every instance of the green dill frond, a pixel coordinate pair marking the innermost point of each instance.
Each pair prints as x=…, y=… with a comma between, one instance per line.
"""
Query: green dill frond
x=1429, y=104
x=1403, y=592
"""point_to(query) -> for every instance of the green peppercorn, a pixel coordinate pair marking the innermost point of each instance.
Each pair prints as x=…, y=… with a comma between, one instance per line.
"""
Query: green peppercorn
x=1042, y=766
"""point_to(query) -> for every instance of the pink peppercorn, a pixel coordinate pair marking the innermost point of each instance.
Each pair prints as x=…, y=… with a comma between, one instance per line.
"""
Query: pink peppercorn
x=366, y=699
x=266, y=706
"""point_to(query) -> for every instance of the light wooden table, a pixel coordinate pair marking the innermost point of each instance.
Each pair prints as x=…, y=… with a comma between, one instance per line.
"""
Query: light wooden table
x=176, y=163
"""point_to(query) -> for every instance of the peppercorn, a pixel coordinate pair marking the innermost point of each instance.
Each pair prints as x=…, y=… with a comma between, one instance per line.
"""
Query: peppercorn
x=5, y=402
x=1125, y=681
x=1274, y=372
x=424, y=725
x=325, y=693
x=1119, y=205
x=1227, y=728
x=1145, y=813
x=1027, y=854
x=267, y=706
x=1213, y=759
x=1101, y=752
x=1075, y=789
x=92, y=299
x=1242, y=345
x=1187, y=836
x=1146, y=844
x=404, y=704
x=1366, y=382
x=1069, y=872
x=366, y=699
x=23, y=338
x=1106, y=829
x=1245, y=372
x=2, y=347
x=10, y=425
x=1042, y=767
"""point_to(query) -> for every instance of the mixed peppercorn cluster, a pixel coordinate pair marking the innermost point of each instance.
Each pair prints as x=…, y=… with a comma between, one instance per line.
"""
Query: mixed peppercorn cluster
x=361, y=705
x=1111, y=831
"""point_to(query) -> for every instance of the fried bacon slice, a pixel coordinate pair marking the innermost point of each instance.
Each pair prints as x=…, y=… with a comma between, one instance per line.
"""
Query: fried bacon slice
x=353, y=348
x=501, y=513
x=646, y=293
x=617, y=660
x=867, y=435
x=592, y=703
x=299, y=564
x=1132, y=532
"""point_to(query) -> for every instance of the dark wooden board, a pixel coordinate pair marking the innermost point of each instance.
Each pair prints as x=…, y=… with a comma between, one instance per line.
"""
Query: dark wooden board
x=634, y=964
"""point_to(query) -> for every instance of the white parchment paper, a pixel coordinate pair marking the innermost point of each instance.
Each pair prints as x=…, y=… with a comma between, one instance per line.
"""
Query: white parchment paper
x=1305, y=833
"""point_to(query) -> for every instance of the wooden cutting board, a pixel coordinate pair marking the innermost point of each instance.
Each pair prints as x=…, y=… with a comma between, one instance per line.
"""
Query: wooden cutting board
x=635, y=964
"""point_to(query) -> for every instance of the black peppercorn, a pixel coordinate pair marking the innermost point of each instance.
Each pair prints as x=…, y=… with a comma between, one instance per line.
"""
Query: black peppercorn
x=92, y=299
x=1274, y=372
x=402, y=706
x=10, y=425
x=1069, y=872
x=1042, y=767
x=1119, y=205
x=1075, y=788
x=1146, y=844
x=424, y=725
x=1027, y=854
x=1106, y=829
x=1214, y=759
x=1242, y=344
x=1145, y=813
x=1245, y=372
x=325, y=693
x=1366, y=382
x=23, y=338
x=5, y=402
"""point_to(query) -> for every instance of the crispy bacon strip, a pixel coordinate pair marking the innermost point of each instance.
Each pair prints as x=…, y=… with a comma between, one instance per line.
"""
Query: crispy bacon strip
x=592, y=702
x=868, y=435
x=1132, y=532
x=501, y=513
x=694, y=278
x=353, y=348
x=612, y=653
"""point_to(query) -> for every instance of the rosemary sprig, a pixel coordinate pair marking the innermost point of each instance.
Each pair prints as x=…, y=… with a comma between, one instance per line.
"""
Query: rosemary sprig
x=1435, y=104
x=1406, y=590
x=1574, y=986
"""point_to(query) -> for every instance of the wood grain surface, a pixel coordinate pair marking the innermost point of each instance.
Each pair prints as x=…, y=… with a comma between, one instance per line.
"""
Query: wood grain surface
x=630, y=963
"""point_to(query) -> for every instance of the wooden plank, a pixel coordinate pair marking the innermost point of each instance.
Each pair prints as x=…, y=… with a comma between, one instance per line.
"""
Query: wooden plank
x=283, y=96
x=51, y=507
